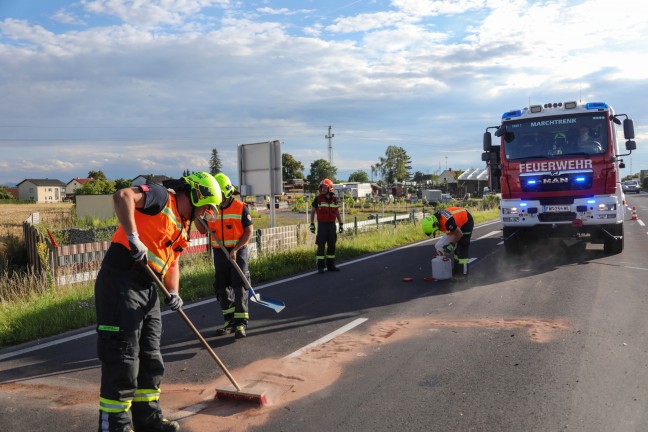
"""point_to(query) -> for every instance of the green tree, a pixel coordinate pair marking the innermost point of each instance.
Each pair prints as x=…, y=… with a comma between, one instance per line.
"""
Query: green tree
x=97, y=187
x=97, y=175
x=4, y=194
x=122, y=183
x=319, y=170
x=215, y=163
x=359, y=176
x=395, y=166
x=291, y=168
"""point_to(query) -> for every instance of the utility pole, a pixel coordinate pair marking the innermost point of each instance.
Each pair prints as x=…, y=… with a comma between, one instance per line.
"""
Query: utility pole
x=329, y=137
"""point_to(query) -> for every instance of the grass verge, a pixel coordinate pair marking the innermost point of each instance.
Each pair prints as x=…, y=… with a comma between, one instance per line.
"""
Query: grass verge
x=46, y=312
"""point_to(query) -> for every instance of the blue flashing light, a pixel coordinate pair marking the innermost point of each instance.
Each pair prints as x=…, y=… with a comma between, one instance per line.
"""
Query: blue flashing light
x=591, y=201
x=523, y=204
x=596, y=105
x=511, y=114
x=580, y=179
x=531, y=182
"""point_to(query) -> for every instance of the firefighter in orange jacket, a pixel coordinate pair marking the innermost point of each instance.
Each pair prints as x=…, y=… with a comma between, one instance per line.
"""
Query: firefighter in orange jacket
x=154, y=224
x=326, y=207
x=458, y=223
x=233, y=227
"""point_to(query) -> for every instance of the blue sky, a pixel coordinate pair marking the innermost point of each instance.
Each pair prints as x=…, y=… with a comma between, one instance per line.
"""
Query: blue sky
x=152, y=86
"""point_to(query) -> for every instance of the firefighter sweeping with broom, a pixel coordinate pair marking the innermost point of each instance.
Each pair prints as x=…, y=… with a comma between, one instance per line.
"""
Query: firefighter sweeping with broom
x=233, y=228
x=154, y=225
x=458, y=224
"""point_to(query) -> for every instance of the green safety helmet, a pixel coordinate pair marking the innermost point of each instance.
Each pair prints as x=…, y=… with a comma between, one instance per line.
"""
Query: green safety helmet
x=430, y=225
x=204, y=189
x=225, y=185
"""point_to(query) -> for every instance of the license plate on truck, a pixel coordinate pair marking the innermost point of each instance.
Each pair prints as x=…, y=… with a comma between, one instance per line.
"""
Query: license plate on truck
x=557, y=208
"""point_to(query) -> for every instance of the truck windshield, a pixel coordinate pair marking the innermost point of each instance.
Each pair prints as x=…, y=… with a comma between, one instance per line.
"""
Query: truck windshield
x=556, y=137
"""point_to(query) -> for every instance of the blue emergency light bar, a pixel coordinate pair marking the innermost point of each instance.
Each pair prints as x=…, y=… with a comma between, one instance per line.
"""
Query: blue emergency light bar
x=596, y=105
x=531, y=182
x=511, y=114
x=580, y=179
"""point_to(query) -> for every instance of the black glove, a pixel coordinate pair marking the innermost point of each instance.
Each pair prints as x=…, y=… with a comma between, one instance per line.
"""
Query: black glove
x=341, y=230
x=449, y=248
x=138, y=250
x=312, y=227
x=174, y=301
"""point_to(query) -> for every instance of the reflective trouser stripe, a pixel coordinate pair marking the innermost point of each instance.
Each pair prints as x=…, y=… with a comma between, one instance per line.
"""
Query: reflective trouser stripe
x=241, y=315
x=463, y=260
x=228, y=311
x=113, y=406
x=146, y=395
x=330, y=256
x=320, y=257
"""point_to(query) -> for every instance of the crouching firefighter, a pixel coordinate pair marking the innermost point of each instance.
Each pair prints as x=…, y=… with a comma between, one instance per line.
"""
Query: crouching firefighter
x=457, y=223
x=154, y=225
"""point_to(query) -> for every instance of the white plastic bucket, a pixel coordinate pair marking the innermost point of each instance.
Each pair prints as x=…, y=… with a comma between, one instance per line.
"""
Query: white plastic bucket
x=441, y=268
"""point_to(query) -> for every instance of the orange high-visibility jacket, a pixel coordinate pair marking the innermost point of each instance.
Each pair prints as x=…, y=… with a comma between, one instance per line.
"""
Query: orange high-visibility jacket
x=228, y=226
x=459, y=214
x=164, y=234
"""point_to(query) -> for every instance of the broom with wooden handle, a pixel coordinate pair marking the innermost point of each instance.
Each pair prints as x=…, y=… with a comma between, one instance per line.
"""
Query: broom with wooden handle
x=238, y=394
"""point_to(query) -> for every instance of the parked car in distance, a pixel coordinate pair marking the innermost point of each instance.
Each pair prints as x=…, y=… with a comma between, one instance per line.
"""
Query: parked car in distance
x=631, y=186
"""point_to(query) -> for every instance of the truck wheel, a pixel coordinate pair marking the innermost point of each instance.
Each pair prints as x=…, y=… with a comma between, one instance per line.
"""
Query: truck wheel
x=513, y=243
x=612, y=246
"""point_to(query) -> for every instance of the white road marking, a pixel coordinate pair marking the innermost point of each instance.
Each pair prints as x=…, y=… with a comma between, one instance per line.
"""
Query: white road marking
x=327, y=338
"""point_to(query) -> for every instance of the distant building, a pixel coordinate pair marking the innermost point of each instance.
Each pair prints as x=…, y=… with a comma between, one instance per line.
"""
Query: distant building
x=41, y=190
x=74, y=184
x=473, y=181
x=149, y=178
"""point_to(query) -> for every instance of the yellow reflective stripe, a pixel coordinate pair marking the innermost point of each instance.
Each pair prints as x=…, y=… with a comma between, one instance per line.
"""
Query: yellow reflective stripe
x=231, y=216
x=146, y=395
x=240, y=315
x=332, y=205
x=228, y=311
x=156, y=262
x=463, y=260
x=320, y=257
x=169, y=213
x=230, y=243
x=113, y=406
x=330, y=256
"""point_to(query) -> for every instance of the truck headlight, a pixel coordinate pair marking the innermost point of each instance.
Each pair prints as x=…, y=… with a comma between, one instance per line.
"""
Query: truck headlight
x=512, y=210
x=607, y=207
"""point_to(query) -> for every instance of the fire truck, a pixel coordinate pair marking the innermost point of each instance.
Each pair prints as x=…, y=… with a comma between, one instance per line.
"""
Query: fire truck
x=557, y=168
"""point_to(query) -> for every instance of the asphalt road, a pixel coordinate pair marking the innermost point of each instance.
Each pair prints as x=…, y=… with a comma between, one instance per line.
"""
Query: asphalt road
x=552, y=340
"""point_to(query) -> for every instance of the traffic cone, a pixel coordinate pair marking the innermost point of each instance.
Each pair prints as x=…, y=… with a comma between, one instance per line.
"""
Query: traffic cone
x=634, y=213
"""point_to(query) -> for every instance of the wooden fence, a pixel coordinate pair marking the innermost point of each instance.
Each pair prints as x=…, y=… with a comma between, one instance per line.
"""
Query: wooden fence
x=69, y=264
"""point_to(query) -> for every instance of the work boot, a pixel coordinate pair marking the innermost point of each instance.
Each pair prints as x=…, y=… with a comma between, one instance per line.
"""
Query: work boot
x=163, y=426
x=225, y=330
x=320, y=270
x=333, y=268
x=240, y=331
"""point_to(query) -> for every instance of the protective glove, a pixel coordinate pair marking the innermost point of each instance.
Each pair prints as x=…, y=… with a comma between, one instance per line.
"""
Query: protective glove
x=174, y=301
x=138, y=250
x=449, y=248
x=341, y=230
x=312, y=227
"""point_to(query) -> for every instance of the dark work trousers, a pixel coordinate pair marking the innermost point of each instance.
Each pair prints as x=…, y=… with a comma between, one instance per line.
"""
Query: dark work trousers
x=230, y=289
x=129, y=328
x=326, y=238
x=463, y=247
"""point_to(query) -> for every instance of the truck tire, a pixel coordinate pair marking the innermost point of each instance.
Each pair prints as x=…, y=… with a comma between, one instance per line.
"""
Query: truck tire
x=612, y=246
x=513, y=242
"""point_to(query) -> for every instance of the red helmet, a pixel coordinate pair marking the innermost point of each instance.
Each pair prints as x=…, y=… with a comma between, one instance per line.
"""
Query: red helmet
x=328, y=183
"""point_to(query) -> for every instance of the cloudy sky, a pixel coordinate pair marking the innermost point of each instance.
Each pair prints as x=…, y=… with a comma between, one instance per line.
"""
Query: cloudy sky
x=152, y=86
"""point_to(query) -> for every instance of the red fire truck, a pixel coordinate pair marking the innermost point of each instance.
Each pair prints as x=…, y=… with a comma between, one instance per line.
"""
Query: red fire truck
x=557, y=168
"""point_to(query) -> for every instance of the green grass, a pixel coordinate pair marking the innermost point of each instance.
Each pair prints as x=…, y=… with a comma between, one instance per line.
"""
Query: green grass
x=40, y=311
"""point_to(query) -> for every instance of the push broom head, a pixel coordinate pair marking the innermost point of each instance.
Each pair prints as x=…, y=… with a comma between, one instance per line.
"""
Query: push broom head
x=236, y=395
